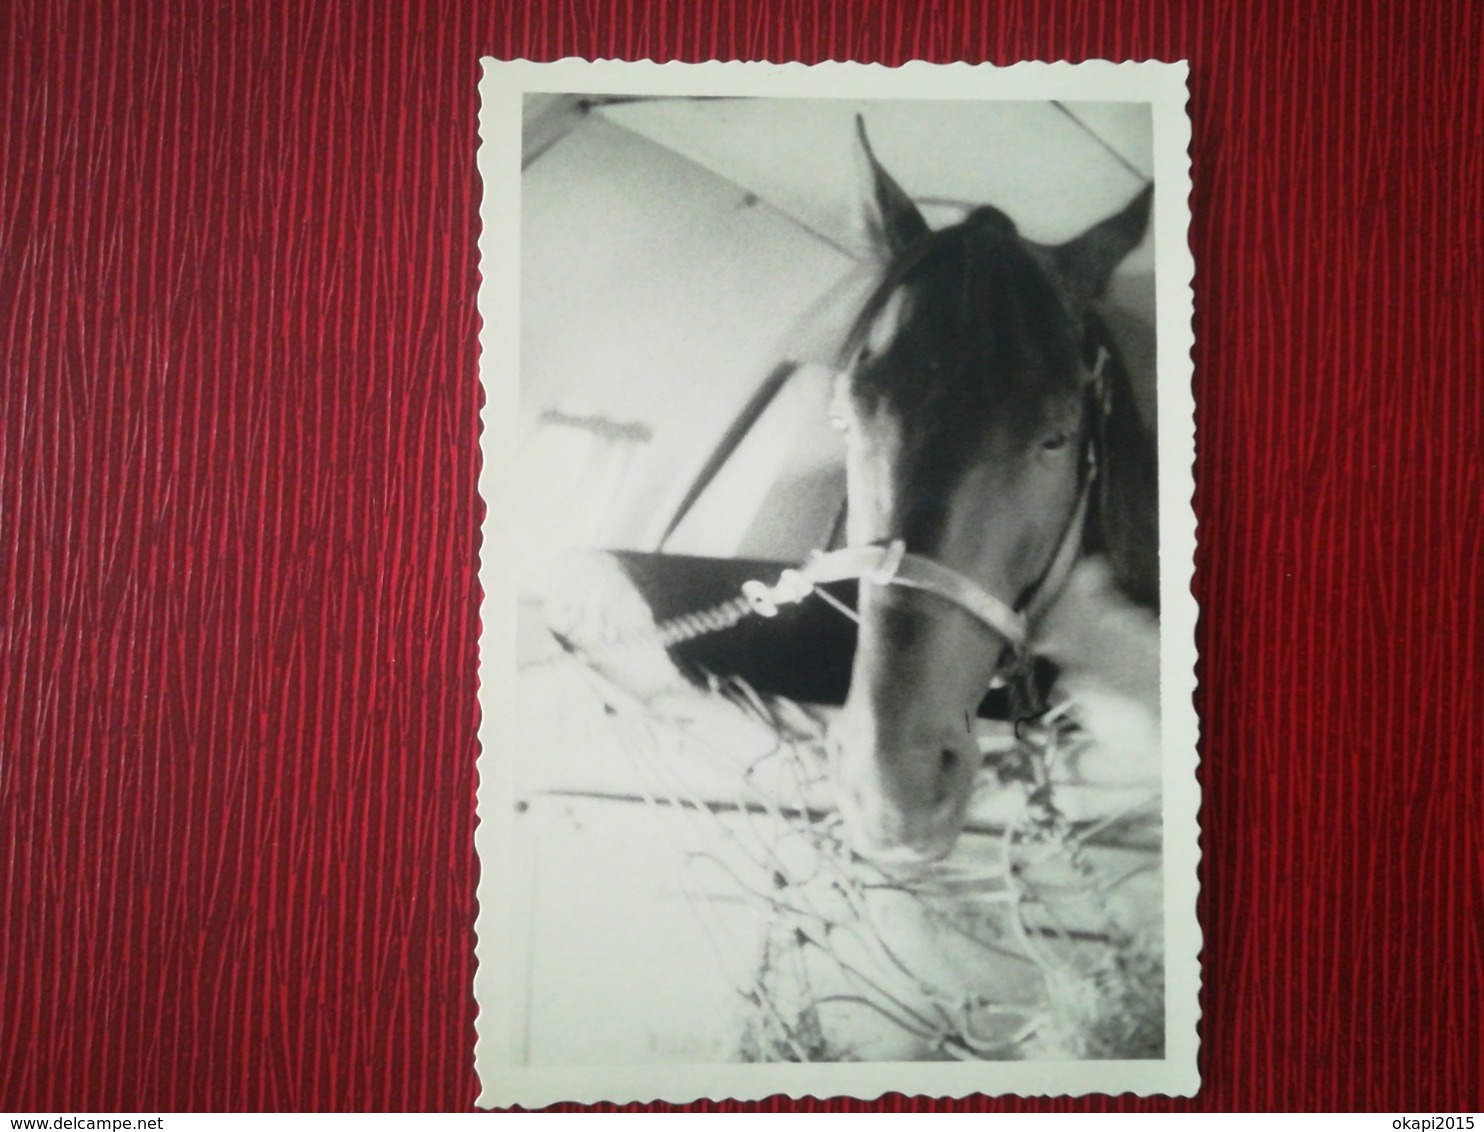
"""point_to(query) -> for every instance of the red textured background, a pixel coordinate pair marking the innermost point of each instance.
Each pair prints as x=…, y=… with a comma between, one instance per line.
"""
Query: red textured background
x=239, y=530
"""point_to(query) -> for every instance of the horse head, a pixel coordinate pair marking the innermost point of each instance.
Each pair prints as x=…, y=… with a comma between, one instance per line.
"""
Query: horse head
x=990, y=437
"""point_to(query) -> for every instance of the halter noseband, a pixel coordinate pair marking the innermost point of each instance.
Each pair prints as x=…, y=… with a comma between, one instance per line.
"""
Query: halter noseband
x=890, y=563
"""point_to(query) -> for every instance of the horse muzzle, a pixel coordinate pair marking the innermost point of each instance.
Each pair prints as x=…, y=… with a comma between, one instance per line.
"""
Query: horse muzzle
x=902, y=804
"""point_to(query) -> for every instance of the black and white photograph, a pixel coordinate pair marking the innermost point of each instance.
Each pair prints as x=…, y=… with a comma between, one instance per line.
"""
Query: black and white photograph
x=837, y=647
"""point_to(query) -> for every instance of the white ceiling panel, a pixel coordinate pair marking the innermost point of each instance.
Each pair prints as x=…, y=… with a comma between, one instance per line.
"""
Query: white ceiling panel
x=1054, y=169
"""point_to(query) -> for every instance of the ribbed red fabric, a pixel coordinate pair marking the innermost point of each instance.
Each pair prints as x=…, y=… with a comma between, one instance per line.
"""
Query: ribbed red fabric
x=239, y=523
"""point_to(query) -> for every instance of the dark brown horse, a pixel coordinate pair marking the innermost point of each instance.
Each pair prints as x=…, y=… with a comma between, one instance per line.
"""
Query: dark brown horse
x=993, y=442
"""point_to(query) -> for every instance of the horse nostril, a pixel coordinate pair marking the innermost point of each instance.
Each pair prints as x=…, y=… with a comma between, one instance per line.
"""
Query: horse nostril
x=951, y=768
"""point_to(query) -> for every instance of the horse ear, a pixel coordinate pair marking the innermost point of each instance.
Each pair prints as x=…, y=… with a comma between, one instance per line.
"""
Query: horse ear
x=889, y=221
x=1086, y=262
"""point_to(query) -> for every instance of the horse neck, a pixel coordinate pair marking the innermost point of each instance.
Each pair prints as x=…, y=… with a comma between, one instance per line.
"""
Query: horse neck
x=1123, y=520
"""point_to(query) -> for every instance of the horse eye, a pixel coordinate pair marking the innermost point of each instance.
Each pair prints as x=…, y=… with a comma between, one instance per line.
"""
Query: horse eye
x=1056, y=440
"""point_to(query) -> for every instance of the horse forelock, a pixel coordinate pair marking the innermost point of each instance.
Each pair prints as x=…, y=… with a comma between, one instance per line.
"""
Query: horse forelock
x=966, y=342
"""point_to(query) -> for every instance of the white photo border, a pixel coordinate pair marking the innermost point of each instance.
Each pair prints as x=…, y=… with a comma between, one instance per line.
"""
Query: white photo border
x=1163, y=86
